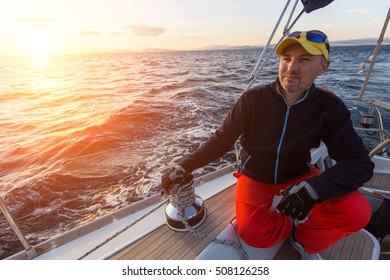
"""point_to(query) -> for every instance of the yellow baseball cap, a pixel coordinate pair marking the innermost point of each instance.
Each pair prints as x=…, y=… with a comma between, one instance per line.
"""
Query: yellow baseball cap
x=314, y=42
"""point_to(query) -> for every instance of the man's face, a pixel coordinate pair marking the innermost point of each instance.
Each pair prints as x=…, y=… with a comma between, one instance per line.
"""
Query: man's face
x=298, y=69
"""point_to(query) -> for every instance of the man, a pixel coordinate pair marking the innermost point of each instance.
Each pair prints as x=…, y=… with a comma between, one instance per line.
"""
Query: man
x=278, y=124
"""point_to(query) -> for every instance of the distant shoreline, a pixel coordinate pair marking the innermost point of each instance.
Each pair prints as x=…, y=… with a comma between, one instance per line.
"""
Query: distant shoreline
x=353, y=42
x=344, y=43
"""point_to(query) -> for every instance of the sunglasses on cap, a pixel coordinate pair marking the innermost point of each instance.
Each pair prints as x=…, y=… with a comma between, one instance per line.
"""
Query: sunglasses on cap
x=314, y=36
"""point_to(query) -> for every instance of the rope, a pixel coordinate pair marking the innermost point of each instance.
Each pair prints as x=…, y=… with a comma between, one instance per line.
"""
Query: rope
x=258, y=67
x=185, y=197
x=123, y=230
x=263, y=59
x=376, y=51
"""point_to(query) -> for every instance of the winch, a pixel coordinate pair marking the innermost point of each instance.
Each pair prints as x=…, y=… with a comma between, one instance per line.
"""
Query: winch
x=185, y=206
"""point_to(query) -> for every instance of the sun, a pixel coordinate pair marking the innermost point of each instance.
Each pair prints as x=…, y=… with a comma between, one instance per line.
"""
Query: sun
x=39, y=43
x=33, y=40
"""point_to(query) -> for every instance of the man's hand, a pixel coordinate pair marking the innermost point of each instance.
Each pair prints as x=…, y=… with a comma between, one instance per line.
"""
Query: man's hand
x=172, y=180
x=298, y=200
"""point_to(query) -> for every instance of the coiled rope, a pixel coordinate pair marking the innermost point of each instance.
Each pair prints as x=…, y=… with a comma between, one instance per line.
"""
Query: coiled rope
x=186, y=193
x=184, y=198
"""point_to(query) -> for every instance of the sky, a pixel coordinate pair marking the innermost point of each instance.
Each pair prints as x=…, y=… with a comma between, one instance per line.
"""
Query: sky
x=47, y=27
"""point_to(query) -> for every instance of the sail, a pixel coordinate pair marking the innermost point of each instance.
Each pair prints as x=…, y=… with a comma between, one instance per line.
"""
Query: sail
x=312, y=5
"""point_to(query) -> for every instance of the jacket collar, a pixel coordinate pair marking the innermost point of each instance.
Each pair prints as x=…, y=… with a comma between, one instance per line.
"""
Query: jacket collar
x=276, y=89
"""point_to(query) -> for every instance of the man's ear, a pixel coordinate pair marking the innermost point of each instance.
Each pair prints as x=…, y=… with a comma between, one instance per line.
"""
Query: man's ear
x=324, y=66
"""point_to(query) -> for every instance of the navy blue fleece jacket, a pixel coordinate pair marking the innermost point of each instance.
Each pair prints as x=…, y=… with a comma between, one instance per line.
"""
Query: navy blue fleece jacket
x=276, y=139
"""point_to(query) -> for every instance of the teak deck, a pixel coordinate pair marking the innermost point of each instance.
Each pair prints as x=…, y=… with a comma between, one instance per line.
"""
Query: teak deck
x=379, y=181
x=166, y=244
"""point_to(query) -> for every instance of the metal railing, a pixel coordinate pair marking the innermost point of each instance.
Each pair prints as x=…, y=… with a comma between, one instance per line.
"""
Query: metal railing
x=373, y=109
x=30, y=250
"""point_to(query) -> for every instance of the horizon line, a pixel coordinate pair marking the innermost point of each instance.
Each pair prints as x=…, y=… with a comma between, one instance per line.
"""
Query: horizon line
x=339, y=43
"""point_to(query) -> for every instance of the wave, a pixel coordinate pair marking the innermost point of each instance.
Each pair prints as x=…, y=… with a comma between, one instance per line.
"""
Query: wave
x=90, y=134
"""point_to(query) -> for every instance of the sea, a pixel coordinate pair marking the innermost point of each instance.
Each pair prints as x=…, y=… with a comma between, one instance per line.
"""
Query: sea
x=84, y=135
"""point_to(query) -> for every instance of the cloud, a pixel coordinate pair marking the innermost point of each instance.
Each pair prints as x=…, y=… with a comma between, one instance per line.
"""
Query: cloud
x=117, y=33
x=89, y=33
x=358, y=11
x=36, y=21
x=141, y=30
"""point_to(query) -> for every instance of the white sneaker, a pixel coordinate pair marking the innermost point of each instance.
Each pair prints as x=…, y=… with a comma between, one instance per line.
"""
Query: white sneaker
x=300, y=249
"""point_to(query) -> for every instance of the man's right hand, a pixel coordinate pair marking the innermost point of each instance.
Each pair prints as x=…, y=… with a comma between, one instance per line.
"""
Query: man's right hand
x=172, y=179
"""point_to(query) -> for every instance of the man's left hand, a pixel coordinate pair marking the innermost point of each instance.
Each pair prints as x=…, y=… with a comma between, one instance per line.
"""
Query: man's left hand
x=298, y=200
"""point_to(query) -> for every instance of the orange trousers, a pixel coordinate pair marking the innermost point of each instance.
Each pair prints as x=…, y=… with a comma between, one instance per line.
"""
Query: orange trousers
x=329, y=221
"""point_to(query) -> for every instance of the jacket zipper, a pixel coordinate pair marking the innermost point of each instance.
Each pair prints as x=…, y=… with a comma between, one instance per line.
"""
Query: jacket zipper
x=284, y=131
x=280, y=144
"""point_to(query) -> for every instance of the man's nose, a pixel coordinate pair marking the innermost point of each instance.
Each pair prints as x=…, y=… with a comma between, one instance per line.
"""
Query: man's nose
x=293, y=64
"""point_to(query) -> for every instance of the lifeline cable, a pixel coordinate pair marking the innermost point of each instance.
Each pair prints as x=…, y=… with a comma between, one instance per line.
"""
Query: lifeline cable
x=122, y=230
x=262, y=60
x=189, y=193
